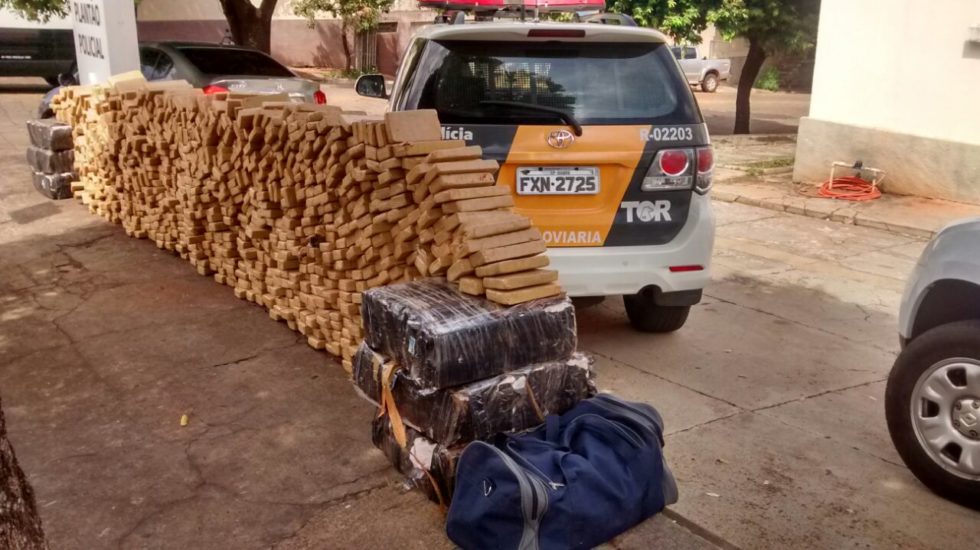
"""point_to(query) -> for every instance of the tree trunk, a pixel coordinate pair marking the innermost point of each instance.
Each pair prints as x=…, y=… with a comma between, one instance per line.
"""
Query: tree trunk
x=750, y=71
x=20, y=525
x=348, y=56
x=249, y=25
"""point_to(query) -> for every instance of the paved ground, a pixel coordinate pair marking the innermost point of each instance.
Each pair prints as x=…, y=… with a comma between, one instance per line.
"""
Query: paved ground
x=772, y=396
x=758, y=171
x=772, y=112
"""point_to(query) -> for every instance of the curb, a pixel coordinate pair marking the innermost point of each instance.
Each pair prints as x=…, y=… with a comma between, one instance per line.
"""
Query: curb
x=844, y=214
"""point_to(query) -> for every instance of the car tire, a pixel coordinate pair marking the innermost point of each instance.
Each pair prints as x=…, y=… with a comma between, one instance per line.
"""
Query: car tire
x=939, y=352
x=710, y=83
x=647, y=316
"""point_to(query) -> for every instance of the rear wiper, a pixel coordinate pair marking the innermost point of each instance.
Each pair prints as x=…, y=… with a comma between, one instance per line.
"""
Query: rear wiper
x=564, y=115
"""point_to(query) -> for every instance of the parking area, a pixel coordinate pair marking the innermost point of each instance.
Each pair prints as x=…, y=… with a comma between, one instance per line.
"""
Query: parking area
x=772, y=394
x=772, y=112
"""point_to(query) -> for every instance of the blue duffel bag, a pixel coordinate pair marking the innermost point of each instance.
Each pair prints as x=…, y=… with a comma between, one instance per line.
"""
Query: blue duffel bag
x=575, y=482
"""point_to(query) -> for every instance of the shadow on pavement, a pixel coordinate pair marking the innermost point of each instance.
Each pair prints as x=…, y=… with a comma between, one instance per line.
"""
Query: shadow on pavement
x=106, y=341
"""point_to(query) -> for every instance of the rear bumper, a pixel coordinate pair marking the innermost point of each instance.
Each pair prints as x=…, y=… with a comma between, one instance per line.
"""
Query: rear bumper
x=617, y=270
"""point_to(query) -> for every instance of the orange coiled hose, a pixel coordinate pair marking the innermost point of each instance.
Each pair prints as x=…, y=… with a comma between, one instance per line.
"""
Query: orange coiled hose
x=849, y=188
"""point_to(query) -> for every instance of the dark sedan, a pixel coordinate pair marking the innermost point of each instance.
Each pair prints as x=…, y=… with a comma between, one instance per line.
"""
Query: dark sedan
x=214, y=68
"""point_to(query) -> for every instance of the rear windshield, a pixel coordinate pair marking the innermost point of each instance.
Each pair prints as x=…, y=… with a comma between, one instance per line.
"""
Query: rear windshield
x=222, y=61
x=487, y=82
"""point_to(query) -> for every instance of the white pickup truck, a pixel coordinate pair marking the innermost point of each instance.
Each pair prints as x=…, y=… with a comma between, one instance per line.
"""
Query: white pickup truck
x=701, y=71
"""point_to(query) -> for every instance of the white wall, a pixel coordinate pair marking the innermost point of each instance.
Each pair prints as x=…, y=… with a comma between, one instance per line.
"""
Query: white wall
x=180, y=10
x=899, y=65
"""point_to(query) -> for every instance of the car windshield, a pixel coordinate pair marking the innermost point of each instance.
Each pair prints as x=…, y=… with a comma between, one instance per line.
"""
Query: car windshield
x=233, y=61
x=596, y=83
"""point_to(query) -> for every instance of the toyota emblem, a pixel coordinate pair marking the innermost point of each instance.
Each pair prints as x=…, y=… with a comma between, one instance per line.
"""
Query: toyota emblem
x=561, y=139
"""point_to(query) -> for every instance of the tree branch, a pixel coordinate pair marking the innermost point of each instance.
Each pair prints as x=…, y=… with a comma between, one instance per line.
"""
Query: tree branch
x=267, y=7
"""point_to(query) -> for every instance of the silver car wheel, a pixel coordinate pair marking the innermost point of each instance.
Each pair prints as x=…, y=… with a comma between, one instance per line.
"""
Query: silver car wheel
x=710, y=83
x=945, y=409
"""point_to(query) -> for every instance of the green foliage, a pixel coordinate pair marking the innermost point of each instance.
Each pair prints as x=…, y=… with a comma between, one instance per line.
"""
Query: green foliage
x=40, y=10
x=37, y=10
x=762, y=167
x=768, y=80
x=773, y=24
x=559, y=16
x=681, y=19
x=351, y=74
x=361, y=15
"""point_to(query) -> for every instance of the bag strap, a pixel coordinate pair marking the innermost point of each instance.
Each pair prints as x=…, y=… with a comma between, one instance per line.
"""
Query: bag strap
x=534, y=402
x=388, y=405
x=388, y=371
x=443, y=507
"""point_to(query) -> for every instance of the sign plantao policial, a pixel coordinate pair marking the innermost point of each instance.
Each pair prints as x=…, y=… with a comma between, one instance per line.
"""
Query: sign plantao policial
x=105, y=38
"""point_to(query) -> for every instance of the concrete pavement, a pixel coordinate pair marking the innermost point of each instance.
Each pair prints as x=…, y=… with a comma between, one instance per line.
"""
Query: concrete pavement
x=773, y=392
x=106, y=341
x=757, y=170
x=772, y=395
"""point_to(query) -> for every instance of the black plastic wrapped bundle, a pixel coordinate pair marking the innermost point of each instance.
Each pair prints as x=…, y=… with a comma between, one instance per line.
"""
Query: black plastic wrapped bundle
x=50, y=162
x=48, y=133
x=367, y=371
x=54, y=186
x=425, y=464
x=511, y=402
x=442, y=338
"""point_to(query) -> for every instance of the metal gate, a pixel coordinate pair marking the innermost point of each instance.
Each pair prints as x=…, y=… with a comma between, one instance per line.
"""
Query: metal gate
x=366, y=51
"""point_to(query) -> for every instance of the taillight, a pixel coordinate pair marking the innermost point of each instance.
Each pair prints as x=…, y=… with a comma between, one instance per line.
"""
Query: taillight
x=319, y=97
x=556, y=33
x=214, y=89
x=674, y=162
x=706, y=168
x=670, y=170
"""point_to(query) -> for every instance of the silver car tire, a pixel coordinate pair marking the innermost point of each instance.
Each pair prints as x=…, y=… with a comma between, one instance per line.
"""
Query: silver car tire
x=932, y=405
x=710, y=83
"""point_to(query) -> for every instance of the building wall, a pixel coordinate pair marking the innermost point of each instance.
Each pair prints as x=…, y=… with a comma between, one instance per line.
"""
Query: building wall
x=893, y=80
x=901, y=65
x=294, y=41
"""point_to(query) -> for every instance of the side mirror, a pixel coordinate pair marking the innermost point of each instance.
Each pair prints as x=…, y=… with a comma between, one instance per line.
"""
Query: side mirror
x=67, y=79
x=371, y=85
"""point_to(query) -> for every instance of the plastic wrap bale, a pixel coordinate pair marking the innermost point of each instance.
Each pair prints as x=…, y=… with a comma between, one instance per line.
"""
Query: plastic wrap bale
x=511, y=402
x=53, y=186
x=366, y=372
x=443, y=338
x=48, y=133
x=422, y=463
x=50, y=162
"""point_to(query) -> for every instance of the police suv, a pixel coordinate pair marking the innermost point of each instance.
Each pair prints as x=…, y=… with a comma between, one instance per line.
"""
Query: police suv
x=600, y=139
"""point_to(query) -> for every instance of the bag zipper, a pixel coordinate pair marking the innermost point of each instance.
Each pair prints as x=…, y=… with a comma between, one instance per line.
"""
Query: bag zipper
x=670, y=492
x=642, y=417
x=527, y=465
x=534, y=498
x=627, y=434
